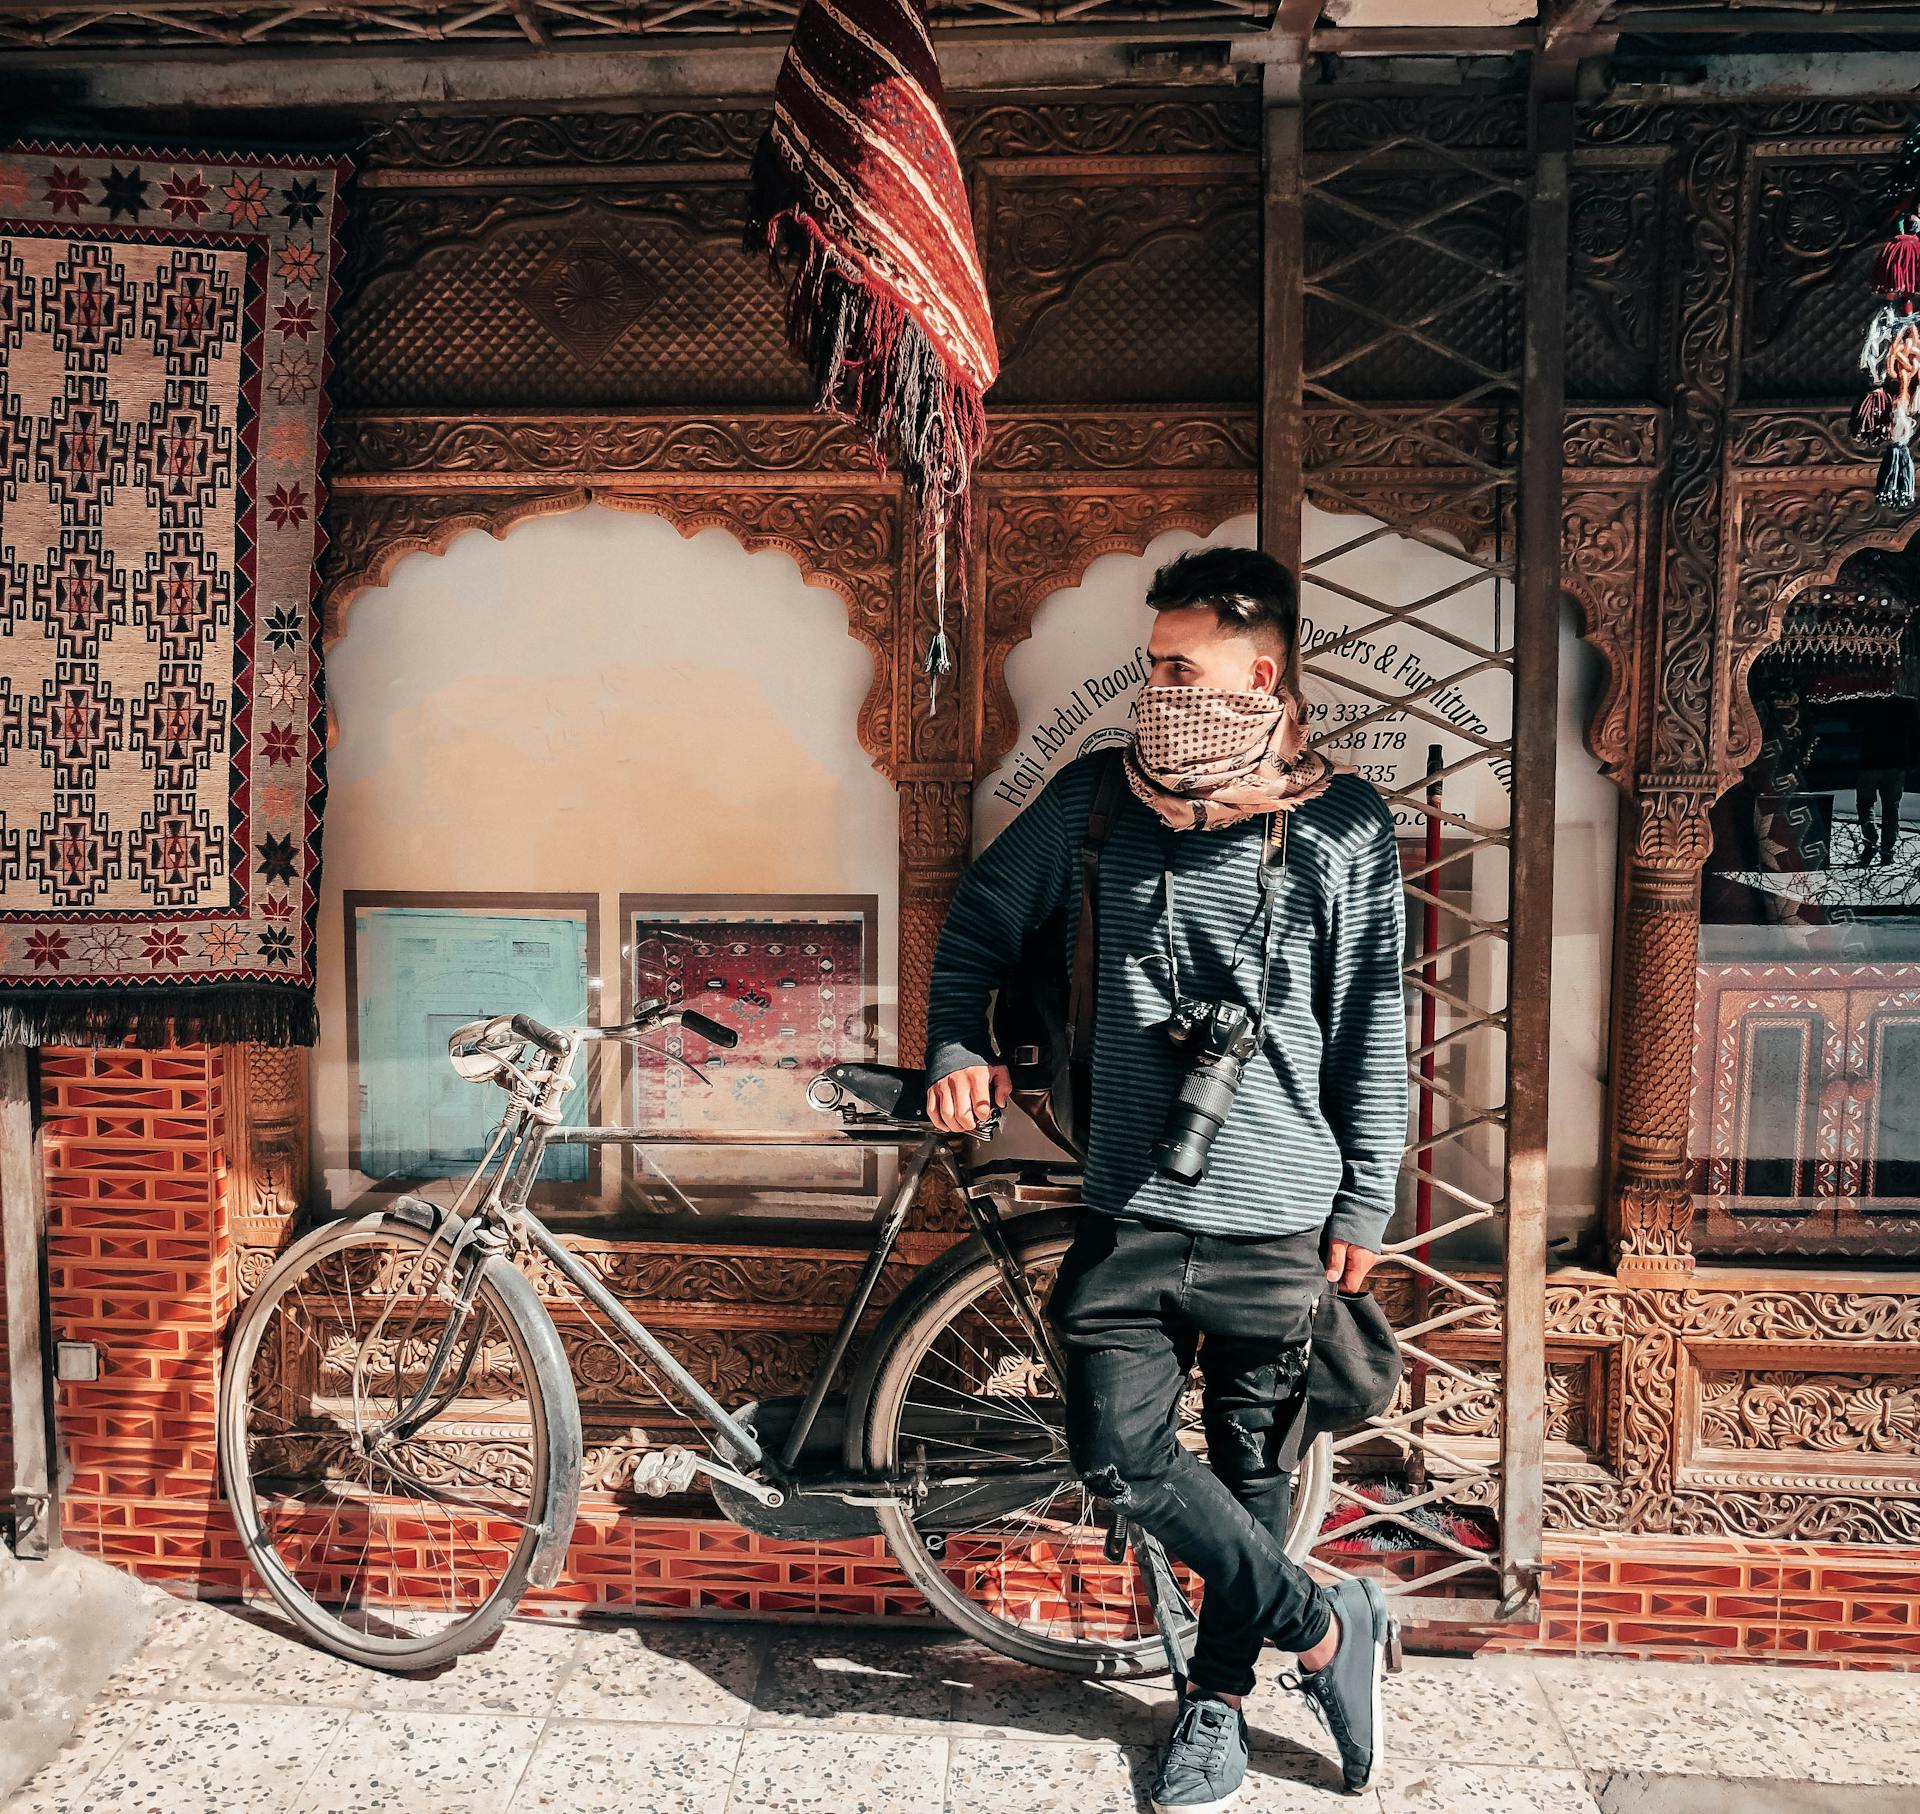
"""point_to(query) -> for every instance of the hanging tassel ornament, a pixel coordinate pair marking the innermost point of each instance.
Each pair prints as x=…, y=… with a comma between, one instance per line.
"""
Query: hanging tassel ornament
x=1897, y=271
x=1901, y=374
x=939, y=656
x=1873, y=418
x=1890, y=354
x=1895, y=489
x=856, y=193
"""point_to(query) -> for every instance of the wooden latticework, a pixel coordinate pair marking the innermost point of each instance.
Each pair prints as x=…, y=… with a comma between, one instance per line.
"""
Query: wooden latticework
x=1416, y=286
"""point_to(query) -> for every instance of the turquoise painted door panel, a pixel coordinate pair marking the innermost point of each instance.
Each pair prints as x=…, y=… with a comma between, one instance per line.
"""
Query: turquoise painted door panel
x=423, y=971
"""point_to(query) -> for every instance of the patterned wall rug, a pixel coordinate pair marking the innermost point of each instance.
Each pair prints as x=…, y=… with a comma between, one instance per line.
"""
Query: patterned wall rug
x=164, y=332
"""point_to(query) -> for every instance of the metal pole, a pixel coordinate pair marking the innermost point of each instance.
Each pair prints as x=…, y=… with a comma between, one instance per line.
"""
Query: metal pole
x=23, y=1236
x=1282, y=319
x=1536, y=700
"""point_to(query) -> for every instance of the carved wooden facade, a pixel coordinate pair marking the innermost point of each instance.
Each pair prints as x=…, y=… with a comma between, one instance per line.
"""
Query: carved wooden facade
x=543, y=313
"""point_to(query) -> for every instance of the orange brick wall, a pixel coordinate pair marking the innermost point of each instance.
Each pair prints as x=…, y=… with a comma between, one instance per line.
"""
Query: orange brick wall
x=140, y=1259
x=1715, y=1600
x=1732, y=1599
x=139, y=1264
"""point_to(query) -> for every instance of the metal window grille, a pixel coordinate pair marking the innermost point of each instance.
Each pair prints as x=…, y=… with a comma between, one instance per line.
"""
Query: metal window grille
x=1433, y=278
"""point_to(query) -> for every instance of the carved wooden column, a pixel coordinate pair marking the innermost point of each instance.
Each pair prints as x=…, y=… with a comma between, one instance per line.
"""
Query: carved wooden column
x=935, y=760
x=268, y=1138
x=1680, y=769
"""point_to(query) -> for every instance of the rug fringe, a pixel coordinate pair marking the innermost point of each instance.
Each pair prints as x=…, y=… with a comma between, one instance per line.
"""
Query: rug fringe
x=870, y=361
x=158, y=1018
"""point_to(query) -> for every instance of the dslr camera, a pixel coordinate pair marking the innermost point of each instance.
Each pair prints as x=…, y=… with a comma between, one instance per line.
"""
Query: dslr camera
x=1217, y=1039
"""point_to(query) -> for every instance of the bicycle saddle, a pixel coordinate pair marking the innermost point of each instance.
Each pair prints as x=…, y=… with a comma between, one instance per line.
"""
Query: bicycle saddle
x=893, y=1089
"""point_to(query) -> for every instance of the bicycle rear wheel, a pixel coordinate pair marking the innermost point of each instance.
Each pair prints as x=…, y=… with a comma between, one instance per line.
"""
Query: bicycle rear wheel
x=397, y=1545
x=956, y=1379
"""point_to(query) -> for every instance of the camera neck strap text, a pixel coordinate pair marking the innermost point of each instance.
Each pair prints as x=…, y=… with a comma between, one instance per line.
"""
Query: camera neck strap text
x=1270, y=868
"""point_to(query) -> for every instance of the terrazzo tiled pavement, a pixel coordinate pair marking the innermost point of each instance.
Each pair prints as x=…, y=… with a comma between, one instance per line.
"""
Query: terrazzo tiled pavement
x=221, y=1710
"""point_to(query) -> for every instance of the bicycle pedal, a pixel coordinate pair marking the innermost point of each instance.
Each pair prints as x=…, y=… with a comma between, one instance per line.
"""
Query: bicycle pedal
x=663, y=1471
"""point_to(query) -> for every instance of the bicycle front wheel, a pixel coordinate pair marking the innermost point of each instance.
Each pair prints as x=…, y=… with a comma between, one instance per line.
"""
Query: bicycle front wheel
x=397, y=1533
x=958, y=1382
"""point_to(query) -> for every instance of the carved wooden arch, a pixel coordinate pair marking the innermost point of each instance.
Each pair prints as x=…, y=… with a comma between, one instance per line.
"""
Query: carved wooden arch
x=1603, y=555
x=840, y=538
x=1787, y=543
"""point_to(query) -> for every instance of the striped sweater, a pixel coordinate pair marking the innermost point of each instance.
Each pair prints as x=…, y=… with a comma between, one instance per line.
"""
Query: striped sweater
x=1318, y=1129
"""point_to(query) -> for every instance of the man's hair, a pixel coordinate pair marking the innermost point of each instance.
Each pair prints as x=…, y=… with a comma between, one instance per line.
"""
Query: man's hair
x=1245, y=589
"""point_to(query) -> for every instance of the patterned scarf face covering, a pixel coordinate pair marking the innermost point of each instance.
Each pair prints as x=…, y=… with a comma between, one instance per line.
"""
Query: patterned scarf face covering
x=1204, y=757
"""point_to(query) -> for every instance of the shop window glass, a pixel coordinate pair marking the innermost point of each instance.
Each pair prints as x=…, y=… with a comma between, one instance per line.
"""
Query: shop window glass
x=420, y=972
x=1806, y=1107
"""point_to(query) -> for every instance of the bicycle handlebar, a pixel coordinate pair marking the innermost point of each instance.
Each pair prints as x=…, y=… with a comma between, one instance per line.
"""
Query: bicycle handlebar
x=710, y=1030
x=544, y=1037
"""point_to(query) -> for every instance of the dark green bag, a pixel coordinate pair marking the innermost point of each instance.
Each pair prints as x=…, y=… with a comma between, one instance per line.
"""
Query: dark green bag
x=1354, y=1368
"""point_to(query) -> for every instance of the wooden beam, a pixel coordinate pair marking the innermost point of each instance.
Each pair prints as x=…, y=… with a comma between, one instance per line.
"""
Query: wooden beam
x=1530, y=962
x=1570, y=32
x=528, y=14
x=23, y=1236
x=1564, y=19
x=1283, y=54
x=1421, y=40
x=1282, y=334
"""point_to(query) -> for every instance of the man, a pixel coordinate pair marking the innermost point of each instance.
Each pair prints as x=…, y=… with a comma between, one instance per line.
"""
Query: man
x=1886, y=725
x=1297, y=1189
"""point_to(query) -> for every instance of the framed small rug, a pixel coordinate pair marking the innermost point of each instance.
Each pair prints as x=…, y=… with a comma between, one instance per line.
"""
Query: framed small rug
x=165, y=322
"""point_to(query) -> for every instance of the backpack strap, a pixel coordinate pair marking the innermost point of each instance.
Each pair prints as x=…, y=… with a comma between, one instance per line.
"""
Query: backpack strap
x=1107, y=794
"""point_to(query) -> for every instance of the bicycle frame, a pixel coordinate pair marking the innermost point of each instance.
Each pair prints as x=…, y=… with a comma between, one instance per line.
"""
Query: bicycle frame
x=514, y=1154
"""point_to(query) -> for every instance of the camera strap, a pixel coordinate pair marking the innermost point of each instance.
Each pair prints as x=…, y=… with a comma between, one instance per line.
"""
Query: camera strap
x=1271, y=866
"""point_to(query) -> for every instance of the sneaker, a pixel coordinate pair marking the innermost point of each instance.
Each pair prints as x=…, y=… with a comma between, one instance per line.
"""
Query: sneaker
x=1205, y=1761
x=1346, y=1693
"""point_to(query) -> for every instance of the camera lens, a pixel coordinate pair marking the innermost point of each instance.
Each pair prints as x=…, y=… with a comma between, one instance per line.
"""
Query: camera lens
x=1206, y=1094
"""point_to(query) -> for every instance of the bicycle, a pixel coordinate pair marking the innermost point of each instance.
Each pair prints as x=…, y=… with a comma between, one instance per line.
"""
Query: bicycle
x=396, y=1375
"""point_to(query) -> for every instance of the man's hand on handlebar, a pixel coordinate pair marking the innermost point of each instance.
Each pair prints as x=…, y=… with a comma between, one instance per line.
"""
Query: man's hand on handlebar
x=962, y=1099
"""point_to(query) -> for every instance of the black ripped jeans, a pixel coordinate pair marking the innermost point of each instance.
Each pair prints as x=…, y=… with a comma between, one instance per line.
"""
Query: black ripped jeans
x=1132, y=1301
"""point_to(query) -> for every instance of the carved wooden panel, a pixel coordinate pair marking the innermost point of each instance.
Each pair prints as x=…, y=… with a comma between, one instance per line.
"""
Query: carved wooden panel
x=1769, y=1407
x=562, y=294
x=1123, y=280
x=1613, y=290
x=1798, y=1418
x=1815, y=222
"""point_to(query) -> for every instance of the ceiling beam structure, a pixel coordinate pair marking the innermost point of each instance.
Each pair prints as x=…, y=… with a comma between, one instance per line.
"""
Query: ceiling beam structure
x=1570, y=32
x=182, y=60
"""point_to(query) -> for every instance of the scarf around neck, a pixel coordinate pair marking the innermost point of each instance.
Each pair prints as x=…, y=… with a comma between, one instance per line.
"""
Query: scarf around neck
x=1203, y=757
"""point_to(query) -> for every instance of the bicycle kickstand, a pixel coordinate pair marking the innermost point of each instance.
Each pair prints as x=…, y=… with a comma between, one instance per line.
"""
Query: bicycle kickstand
x=1162, y=1591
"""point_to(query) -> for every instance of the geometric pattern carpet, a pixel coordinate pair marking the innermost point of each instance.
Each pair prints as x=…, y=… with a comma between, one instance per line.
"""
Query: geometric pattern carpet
x=165, y=322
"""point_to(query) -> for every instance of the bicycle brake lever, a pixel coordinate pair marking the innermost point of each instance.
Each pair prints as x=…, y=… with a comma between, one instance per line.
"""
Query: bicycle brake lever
x=688, y=1062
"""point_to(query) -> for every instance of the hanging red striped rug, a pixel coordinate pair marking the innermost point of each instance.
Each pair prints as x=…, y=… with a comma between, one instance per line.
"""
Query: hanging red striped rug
x=857, y=190
x=164, y=330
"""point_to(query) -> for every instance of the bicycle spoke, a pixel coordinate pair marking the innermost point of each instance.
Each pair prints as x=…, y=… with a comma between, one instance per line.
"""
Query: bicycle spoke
x=439, y=1496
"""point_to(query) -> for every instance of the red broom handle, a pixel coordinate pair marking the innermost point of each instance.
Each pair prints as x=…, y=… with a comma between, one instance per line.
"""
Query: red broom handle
x=1429, y=1022
x=1430, y=975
